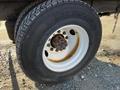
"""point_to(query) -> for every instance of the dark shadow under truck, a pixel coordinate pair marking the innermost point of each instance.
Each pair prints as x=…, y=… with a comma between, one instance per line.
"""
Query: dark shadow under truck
x=55, y=39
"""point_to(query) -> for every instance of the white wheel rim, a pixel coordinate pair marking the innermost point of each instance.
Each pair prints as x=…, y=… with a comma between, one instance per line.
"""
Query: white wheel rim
x=76, y=44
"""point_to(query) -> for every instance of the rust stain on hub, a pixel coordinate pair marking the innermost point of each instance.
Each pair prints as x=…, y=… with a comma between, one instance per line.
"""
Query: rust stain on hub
x=69, y=55
x=58, y=42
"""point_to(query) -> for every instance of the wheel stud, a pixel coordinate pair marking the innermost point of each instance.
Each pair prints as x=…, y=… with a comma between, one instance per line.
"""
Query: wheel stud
x=64, y=33
x=56, y=50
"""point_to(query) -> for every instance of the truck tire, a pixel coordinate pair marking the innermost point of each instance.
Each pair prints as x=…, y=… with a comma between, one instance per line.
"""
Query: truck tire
x=23, y=14
x=56, y=39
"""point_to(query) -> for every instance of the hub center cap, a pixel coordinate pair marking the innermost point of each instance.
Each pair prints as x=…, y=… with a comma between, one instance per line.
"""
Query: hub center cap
x=59, y=42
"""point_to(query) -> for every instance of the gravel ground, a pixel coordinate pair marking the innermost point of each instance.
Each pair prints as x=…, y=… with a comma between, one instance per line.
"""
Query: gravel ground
x=97, y=76
x=103, y=73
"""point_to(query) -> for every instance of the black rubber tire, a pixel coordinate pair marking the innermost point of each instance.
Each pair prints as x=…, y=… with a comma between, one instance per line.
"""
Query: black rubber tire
x=40, y=22
x=23, y=14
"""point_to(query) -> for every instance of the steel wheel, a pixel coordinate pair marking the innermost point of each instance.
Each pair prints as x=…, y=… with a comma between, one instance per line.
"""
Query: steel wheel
x=65, y=48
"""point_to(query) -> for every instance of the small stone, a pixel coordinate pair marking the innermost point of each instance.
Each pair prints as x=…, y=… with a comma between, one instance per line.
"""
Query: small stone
x=118, y=88
x=88, y=68
x=109, y=65
x=23, y=81
x=0, y=87
x=82, y=77
x=110, y=59
x=103, y=50
x=96, y=75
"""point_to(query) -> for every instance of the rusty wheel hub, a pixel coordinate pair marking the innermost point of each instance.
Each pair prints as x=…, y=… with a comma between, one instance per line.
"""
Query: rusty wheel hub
x=65, y=48
x=59, y=42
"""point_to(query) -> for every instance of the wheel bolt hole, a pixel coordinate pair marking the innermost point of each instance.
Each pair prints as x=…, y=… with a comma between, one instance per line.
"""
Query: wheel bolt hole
x=66, y=37
x=48, y=45
x=46, y=53
x=58, y=31
x=72, y=32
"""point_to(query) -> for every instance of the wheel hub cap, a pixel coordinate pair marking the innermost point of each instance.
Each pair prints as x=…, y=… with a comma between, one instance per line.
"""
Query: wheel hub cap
x=59, y=42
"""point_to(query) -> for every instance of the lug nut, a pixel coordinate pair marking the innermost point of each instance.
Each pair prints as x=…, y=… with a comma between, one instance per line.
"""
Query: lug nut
x=51, y=49
x=64, y=33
